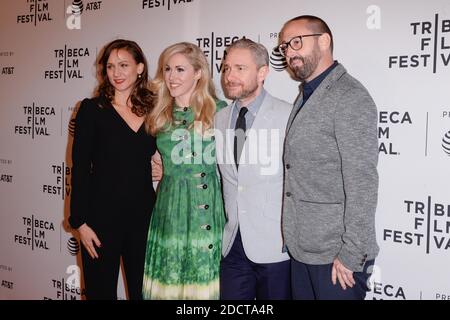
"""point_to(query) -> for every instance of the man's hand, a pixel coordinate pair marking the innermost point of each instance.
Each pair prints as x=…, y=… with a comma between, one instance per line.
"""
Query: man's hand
x=344, y=275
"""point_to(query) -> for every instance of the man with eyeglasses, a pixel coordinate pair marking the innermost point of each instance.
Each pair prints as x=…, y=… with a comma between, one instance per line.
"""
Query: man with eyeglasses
x=331, y=179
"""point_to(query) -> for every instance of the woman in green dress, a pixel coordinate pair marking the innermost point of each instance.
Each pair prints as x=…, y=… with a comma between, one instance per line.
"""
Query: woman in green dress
x=184, y=240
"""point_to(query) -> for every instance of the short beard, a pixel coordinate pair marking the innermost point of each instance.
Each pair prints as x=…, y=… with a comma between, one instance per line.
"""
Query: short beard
x=309, y=65
x=243, y=94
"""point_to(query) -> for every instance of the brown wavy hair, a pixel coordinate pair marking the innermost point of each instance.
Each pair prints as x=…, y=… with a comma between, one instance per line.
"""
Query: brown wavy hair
x=141, y=97
x=202, y=100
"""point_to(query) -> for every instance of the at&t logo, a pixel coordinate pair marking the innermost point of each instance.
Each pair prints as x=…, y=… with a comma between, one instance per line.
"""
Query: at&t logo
x=7, y=71
x=277, y=61
x=73, y=246
x=446, y=143
x=75, y=10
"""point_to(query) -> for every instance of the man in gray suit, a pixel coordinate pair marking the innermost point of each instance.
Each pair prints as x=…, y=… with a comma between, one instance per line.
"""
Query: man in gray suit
x=331, y=180
x=249, y=147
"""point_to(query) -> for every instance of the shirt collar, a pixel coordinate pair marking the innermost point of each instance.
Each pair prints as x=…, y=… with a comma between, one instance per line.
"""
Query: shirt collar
x=309, y=87
x=254, y=106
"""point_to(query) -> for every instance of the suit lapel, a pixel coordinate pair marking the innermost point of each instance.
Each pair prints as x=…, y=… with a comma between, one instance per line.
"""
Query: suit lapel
x=317, y=95
x=261, y=119
x=263, y=111
x=295, y=110
x=229, y=132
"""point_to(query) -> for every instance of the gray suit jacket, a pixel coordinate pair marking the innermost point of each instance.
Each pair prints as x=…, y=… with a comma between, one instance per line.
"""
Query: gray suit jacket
x=331, y=179
x=253, y=195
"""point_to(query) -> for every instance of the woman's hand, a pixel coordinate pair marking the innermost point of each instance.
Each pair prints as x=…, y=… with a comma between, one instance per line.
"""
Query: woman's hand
x=88, y=239
x=157, y=167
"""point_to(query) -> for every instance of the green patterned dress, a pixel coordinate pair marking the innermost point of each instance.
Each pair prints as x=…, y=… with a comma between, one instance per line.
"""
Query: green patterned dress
x=184, y=240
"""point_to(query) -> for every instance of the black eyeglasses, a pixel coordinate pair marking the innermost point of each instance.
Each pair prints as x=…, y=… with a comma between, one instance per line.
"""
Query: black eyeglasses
x=296, y=43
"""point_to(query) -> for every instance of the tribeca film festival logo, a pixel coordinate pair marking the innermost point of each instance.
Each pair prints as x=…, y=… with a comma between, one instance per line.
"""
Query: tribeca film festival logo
x=386, y=118
x=67, y=64
x=430, y=226
x=151, y=4
x=68, y=288
x=62, y=179
x=381, y=291
x=36, y=118
x=76, y=9
x=36, y=232
x=38, y=11
x=214, y=49
x=434, y=46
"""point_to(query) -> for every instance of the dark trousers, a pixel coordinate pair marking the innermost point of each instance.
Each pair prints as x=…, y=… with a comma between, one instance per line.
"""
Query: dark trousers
x=242, y=279
x=101, y=275
x=313, y=282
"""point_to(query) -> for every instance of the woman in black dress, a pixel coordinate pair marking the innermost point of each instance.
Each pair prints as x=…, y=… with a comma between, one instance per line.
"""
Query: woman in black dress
x=112, y=192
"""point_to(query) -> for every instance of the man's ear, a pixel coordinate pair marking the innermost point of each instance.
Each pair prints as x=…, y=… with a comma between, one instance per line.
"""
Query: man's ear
x=325, y=41
x=262, y=73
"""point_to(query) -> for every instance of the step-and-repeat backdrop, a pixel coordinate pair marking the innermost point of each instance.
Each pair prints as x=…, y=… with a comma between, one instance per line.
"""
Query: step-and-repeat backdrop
x=400, y=50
